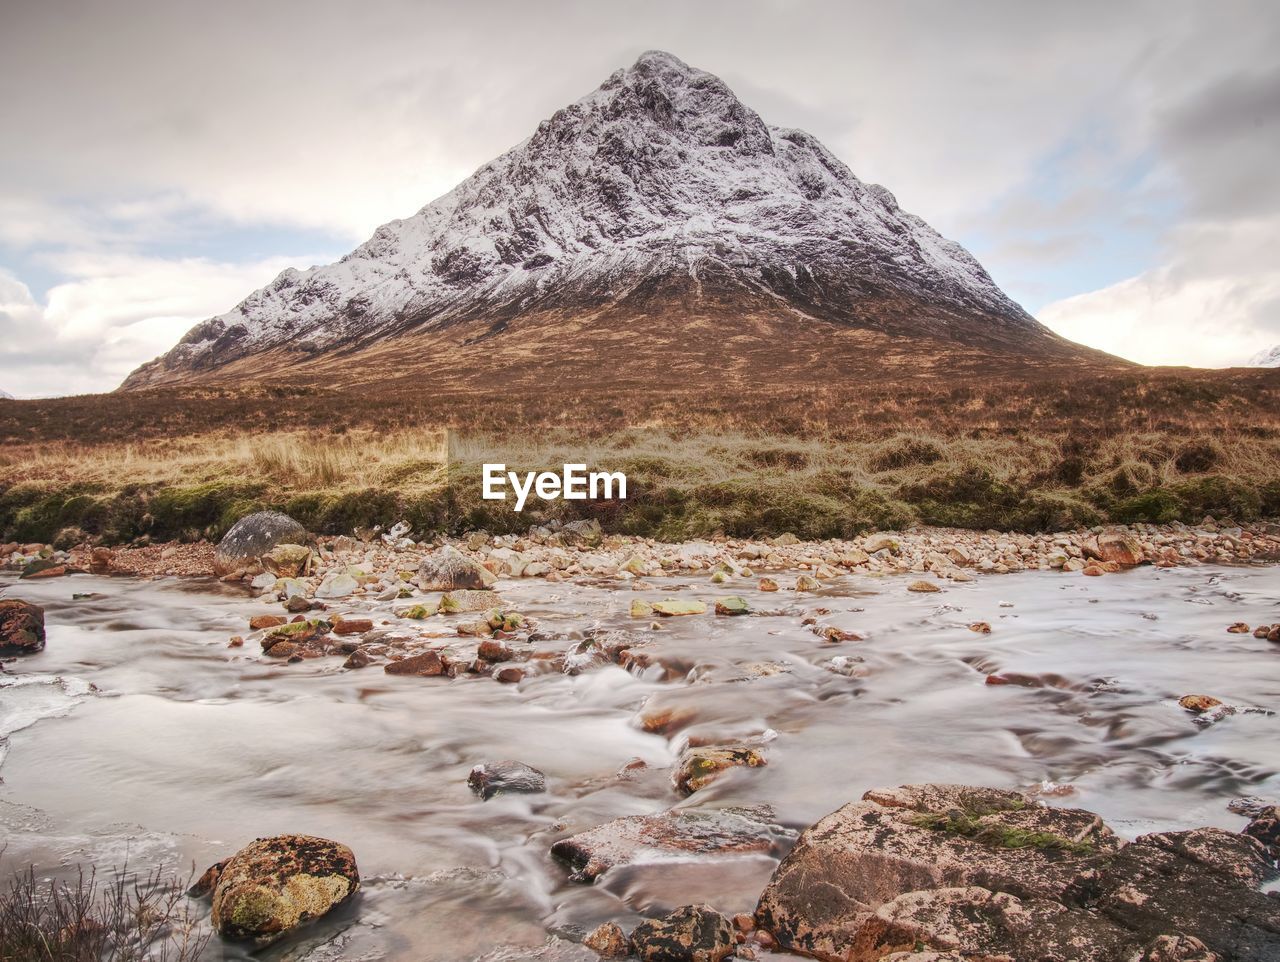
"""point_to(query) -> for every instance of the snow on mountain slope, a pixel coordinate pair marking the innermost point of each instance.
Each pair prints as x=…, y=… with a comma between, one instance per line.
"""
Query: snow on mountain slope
x=660, y=173
x=1269, y=358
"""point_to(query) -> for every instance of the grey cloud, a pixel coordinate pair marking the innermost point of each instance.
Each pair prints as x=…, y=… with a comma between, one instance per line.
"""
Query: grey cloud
x=1225, y=143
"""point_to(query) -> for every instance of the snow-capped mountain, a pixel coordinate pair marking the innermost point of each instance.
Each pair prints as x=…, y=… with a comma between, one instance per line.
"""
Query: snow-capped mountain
x=6, y=395
x=1269, y=358
x=658, y=187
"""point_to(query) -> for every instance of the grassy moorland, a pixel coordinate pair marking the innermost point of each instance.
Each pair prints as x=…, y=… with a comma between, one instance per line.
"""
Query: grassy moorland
x=827, y=460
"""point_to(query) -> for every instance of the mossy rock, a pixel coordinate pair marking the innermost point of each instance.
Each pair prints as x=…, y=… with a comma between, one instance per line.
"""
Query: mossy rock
x=274, y=885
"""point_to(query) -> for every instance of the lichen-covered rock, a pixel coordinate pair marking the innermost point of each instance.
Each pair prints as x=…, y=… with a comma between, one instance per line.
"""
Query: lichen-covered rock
x=253, y=536
x=21, y=627
x=637, y=839
x=586, y=534
x=980, y=924
x=1265, y=827
x=733, y=605
x=923, y=837
x=699, y=767
x=274, y=885
x=1120, y=548
x=288, y=561
x=671, y=607
x=692, y=933
x=495, y=778
x=1151, y=887
x=450, y=570
x=608, y=941
x=970, y=870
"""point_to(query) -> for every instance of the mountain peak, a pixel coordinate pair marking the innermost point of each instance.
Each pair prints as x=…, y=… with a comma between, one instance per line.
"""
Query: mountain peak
x=660, y=191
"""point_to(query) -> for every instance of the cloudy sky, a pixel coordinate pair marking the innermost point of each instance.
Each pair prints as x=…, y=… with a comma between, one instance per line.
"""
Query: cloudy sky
x=1113, y=165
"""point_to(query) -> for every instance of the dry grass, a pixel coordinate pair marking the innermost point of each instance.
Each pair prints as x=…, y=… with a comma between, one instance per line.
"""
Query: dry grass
x=681, y=483
x=292, y=460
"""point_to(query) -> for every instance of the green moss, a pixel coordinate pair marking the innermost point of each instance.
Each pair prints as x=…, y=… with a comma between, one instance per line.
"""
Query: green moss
x=1152, y=507
x=970, y=824
x=1221, y=497
x=203, y=510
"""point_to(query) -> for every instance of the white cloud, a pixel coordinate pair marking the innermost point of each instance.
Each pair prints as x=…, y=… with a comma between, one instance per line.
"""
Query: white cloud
x=115, y=313
x=1215, y=303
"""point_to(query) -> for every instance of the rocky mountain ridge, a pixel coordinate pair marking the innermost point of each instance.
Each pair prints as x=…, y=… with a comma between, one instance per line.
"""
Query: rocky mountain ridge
x=658, y=191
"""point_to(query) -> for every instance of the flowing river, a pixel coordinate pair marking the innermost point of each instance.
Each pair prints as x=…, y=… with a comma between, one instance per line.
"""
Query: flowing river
x=139, y=736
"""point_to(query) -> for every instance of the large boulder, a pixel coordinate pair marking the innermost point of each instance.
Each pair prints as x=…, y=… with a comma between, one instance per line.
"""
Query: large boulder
x=949, y=868
x=978, y=923
x=21, y=627
x=274, y=885
x=450, y=570
x=253, y=536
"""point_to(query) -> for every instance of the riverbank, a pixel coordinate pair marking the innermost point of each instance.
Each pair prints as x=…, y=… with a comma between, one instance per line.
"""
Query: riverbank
x=583, y=550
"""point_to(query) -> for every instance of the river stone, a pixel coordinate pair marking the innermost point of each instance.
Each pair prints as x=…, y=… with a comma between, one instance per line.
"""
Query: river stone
x=274, y=885
x=21, y=627
x=608, y=941
x=601, y=646
x=253, y=536
x=733, y=605
x=337, y=586
x=1120, y=548
x=458, y=602
x=1265, y=827
x=692, y=933
x=288, y=561
x=981, y=924
x=639, y=839
x=676, y=606
x=449, y=570
x=699, y=767
x=427, y=664
x=496, y=778
x=872, y=851
x=586, y=534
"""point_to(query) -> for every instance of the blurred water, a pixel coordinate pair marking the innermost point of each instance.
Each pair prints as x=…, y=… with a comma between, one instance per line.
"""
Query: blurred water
x=138, y=735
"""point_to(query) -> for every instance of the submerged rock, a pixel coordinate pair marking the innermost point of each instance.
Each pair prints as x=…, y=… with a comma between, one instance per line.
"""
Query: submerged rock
x=496, y=778
x=923, y=587
x=450, y=570
x=692, y=933
x=21, y=627
x=253, y=536
x=733, y=605
x=675, y=606
x=274, y=885
x=662, y=836
x=461, y=601
x=699, y=767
